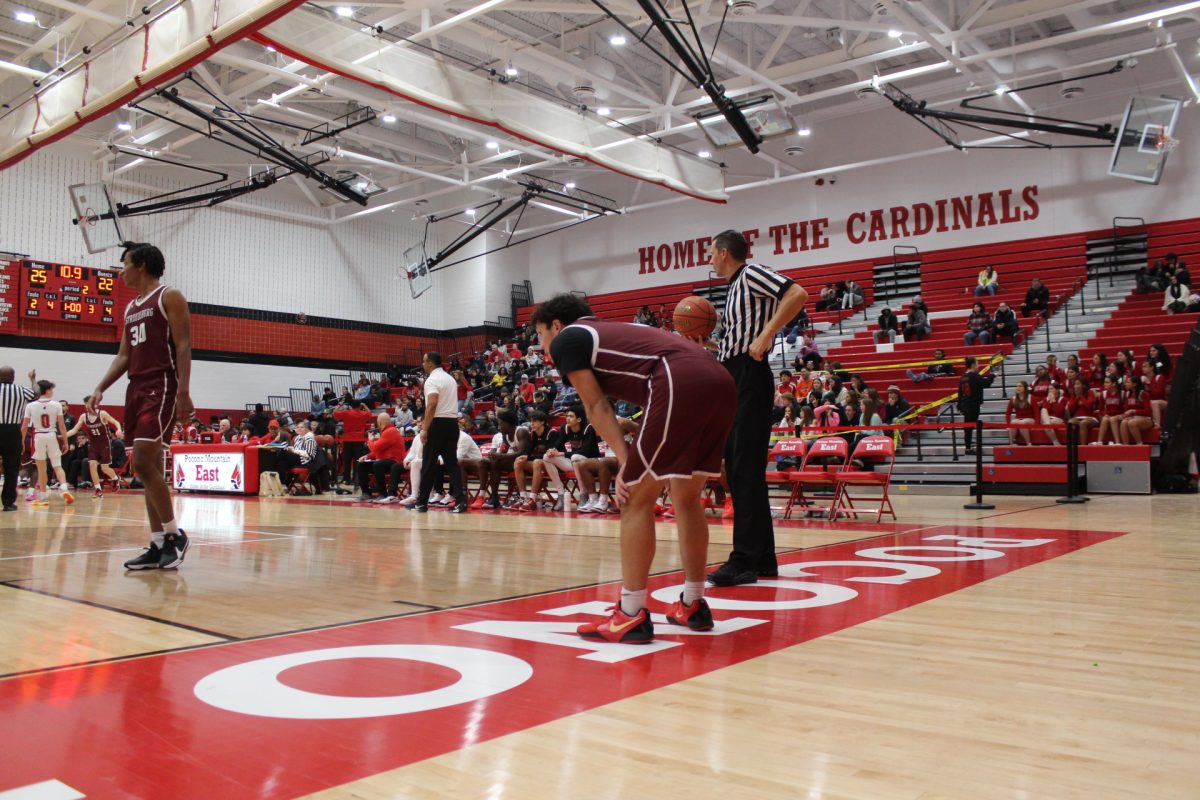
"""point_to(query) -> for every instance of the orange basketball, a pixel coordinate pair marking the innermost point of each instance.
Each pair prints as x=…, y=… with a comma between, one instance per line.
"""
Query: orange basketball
x=695, y=316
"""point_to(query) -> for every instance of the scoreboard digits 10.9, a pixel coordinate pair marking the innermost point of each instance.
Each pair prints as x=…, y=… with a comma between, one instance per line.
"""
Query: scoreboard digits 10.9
x=67, y=293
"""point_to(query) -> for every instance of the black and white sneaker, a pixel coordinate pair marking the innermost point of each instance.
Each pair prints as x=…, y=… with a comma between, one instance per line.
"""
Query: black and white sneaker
x=147, y=560
x=175, y=547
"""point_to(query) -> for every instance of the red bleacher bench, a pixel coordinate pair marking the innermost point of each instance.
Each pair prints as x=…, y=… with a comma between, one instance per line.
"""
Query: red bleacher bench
x=1042, y=454
x=1026, y=473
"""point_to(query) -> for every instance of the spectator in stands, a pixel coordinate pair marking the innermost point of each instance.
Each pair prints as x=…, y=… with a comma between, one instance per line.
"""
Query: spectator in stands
x=1177, y=297
x=514, y=443
x=1072, y=363
x=318, y=405
x=799, y=324
x=988, y=282
x=871, y=420
x=1054, y=412
x=1022, y=409
x=1005, y=324
x=1099, y=368
x=918, y=302
x=1058, y=376
x=933, y=370
x=788, y=421
x=1037, y=299
x=854, y=296
x=786, y=385
x=244, y=434
x=916, y=323
x=1111, y=408
x=979, y=326
x=1127, y=361
x=1156, y=387
x=354, y=438
x=970, y=397
x=827, y=300
x=808, y=354
x=384, y=451
x=1136, y=414
x=1158, y=357
x=576, y=441
x=541, y=402
x=526, y=389
x=404, y=415
x=642, y=317
x=828, y=414
x=889, y=326
x=362, y=390
x=1071, y=374
x=1081, y=409
x=896, y=406
x=1041, y=383
x=857, y=384
x=225, y=430
x=260, y=419
x=1173, y=266
x=299, y=453
x=1150, y=278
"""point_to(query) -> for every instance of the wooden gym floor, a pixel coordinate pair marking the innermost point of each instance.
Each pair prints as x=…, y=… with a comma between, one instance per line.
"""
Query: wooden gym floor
x=1060, y=659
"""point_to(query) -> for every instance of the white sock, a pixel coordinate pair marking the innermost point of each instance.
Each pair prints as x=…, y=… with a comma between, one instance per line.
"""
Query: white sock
x=158, y=537
x=170, y=527
x=632, y=601
x=692, y=591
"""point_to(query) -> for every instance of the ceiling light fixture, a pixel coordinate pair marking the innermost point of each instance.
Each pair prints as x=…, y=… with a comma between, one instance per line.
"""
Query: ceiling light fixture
x=617, y=40
x=511, y=71
x=805, y=131
x=1001, y=89
x=388, y=118
x=493, y=145
x=469, y=212
x=893, y=33
x=124, y=126
x=344, y=11
x=604, y=111
x=569, y=185
x=704, y=154
x=25, y=16
x=270, y=48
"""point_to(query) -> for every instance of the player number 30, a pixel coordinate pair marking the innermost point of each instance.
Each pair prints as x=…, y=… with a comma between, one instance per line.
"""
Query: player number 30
x=137, y=334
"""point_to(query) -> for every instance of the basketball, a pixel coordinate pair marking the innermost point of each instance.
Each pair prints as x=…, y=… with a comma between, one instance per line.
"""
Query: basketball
x=695, y=316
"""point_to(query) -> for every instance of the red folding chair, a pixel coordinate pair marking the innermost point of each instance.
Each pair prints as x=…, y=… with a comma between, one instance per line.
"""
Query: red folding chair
x=825, y=458
x=784, y=448
x=870, y=450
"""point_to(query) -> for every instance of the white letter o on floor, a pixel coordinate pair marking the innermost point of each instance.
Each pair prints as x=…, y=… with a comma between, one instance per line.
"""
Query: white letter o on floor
x=254, y=687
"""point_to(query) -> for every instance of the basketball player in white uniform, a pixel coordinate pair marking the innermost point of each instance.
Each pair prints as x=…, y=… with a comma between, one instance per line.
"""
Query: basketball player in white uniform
x=45, y=417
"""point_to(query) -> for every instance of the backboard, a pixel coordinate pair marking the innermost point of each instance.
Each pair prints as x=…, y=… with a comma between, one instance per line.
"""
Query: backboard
x=1145, y=139
x=416, y=266
x=95, y=216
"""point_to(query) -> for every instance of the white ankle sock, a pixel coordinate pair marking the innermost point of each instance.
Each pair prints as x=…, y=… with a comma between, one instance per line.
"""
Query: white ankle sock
x=157, y=537
x=170, y=527
x=632, y=601
x=692, y=591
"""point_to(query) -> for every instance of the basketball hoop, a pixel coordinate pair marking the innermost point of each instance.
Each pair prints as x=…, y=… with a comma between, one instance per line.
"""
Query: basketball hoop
x=88, y=218
x=1165, y=143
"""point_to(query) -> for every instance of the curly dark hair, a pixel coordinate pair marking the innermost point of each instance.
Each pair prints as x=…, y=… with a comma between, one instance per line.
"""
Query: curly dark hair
x=565, y=307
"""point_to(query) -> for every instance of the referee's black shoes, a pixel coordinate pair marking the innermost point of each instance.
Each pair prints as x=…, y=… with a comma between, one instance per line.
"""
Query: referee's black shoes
x=10, y=507
x=729, y=575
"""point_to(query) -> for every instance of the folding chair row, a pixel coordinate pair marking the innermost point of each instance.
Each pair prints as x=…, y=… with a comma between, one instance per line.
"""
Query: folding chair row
x=828, y=464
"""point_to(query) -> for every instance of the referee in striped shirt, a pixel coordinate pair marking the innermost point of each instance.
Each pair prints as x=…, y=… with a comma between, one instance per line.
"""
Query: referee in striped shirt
x=759, y=303
x=13, y=400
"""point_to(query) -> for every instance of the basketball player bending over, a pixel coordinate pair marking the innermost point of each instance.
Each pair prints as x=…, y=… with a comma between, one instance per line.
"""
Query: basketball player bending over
x=680, y=443
x=156, y=351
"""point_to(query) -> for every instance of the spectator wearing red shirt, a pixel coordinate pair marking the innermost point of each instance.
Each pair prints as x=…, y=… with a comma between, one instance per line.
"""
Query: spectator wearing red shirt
x=1135, y=418
x=1111, y=407
x=1099, y=370
x=1041, y=383
x=527, y=389
x=383, y=452
x=1057, y=375
x=1022, y=409
x=354, y=437
x=1156, y=385
x=1054, y=412
x=1081, y=408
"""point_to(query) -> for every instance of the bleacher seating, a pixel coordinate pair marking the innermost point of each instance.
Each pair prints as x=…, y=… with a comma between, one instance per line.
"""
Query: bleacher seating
x=1139, y=322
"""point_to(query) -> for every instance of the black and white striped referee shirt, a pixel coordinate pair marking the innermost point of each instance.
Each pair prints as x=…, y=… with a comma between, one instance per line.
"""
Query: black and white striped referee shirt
x=754, y=295
x=13, y=399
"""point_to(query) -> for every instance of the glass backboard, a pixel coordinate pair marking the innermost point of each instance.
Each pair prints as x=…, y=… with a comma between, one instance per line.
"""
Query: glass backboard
x=416, y=266
x=1145, y=138
x=95, y=216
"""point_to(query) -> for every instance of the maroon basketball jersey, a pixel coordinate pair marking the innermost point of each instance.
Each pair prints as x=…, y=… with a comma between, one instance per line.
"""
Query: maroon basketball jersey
x=151, y=348
x=623, y=356
x=97, y=431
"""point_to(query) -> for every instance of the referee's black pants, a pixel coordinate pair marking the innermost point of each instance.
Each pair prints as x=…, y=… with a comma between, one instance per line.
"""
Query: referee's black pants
x=746, y=465
x=10, y=454
x=443, y=441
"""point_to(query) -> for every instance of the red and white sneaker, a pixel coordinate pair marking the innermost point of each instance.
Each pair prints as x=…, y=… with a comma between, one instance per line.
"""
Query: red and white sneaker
x=528, y=505
x=98, y=494
x=697, y=616
x=620, y=627
x=728, y=512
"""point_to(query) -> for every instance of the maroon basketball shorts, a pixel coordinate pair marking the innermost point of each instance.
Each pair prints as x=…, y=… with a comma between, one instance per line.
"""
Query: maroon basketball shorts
x=150, y=408
x=100, y=452
x=686, y=420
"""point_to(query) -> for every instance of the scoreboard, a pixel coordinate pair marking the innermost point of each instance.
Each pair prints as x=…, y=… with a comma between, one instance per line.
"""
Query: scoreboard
x=67, y=293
